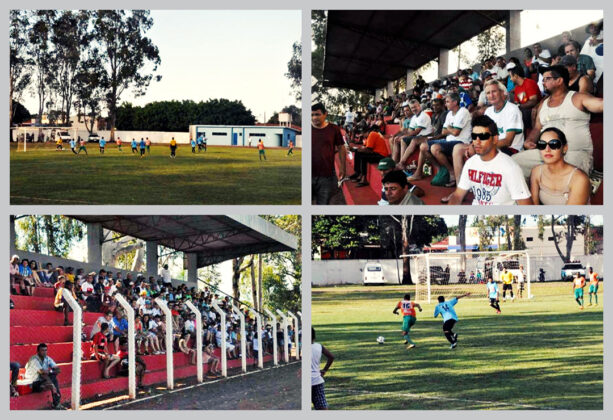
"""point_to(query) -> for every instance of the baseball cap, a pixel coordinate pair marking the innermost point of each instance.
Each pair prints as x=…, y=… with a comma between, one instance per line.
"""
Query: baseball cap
x=509, y=66
x=486, y=74
x=386, y=163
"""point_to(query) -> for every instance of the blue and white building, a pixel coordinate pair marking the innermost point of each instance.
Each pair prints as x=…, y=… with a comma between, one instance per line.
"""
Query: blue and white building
x=245, y=135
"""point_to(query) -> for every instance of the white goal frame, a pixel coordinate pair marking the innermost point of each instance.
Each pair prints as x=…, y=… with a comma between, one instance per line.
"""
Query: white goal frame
x=22, y=131
x=429, y=258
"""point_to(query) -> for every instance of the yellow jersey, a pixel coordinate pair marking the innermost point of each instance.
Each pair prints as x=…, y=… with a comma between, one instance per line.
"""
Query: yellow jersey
x=507, y=278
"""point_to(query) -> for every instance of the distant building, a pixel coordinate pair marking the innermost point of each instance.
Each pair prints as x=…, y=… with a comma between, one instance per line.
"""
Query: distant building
x=239, y=135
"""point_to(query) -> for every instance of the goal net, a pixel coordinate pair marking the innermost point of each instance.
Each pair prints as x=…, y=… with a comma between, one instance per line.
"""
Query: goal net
x=453, y=274
x=34, y=137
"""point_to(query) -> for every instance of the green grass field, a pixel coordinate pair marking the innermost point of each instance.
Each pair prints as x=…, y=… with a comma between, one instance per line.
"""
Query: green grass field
x=221, y=175
x=543, y=353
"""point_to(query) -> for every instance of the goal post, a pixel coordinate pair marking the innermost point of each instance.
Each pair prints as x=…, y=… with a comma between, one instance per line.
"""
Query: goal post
x=455, y=273
x=42, y=135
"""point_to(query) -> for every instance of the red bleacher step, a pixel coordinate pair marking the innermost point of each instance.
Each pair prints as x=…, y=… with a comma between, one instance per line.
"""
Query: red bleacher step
x=47, y=334
x=32, y=302
x=47, y=317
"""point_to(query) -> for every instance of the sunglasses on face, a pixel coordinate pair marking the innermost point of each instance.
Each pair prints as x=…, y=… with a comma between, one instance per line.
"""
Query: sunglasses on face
x=480, y=136
x=553, y=144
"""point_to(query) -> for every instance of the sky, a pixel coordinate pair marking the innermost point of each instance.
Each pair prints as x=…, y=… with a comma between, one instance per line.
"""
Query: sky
x=233, y=54
x=452, y=220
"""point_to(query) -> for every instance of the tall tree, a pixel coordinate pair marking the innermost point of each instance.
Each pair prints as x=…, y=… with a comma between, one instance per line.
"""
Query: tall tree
x=19, y=61
x=518, y=243
x=294, y=70
x=490, y=42
x=573, y=226
x=53, y=234
x=42, y=56
x=90, y=87
x=126, y=53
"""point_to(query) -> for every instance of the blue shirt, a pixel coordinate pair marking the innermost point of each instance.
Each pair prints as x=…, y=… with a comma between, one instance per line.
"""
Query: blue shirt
x=25, y=271
x=142, y=144
x=193, y=143
x=446, y=310
x=199, y=140
x=122, y=325
x=72, y=144
x=102, y=142
x=492, y=290
x=465, y=100
x=134, y=143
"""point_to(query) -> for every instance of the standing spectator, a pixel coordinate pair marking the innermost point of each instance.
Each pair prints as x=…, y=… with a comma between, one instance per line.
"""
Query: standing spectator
x=327, y=140
x=165, y=274
x=318, y=392
x=43, y=371
x=60, y=303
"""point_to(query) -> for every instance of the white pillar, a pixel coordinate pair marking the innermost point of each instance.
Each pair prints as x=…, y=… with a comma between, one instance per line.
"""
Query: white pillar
x=443, y=62
x=77, y=351
x=222, y=325
x=192, y=268
x=195, y=310
x=513, y=31
x=390, y=89
x=94, y=243
x=285, y=340
x=410, y=81
x=152, y=258
x=13, y=237
x=274, y=336
x=170, y=373
x=296, y=326
x=258, y=319
x=243, y=338
x=131, y=345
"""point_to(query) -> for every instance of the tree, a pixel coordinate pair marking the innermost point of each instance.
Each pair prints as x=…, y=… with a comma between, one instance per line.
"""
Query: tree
x=54, y=234
x=346, y=232
x=462, y=231
x=574, y=225
x=294, y=70
x=90, y=87
x=41, y=55
x=518, y=243
x=126, y=53
x=20, y=113
x=490, y=42
x=211, y=275
x=295, y=112
x=19, y=61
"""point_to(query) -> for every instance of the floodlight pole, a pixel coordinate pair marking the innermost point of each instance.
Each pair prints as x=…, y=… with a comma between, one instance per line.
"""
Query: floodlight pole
x=285, y=341
x=295, y=333
x=274, y=336
x=170, y=374
x=195, y=310
x=243, y=338
x=222, y=326
x=125, y=305
x=77, y=325
x=258, y=319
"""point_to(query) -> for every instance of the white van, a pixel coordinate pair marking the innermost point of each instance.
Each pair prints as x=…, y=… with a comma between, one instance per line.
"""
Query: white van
x=373, y=273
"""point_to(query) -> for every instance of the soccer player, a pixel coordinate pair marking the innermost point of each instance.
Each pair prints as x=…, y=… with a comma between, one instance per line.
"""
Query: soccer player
x=593, y=286
x=118, y=141
x=507, y=284
x=493, y=294
x=408, y=319
x=82, y=146
x=199, y=141
x=578, y=285
x=101, y=145
x=318, y=393
x=193, y=144
x=58, y=143
x=148, y=144
x=173, y=148
x=133, y=144
x=291, y=148
x=446, y=310
x=72, y=146
x=520, y=282
x=204, y=142
x=261, y=150
x=142, y=145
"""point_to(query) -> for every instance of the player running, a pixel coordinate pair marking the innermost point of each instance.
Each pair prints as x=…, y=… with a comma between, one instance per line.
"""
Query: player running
x=578, y=285
x=204, y=142
x=199, y=142
x=446, y=310
x=593, y=286
x=507, y=284
x=82, y=146
x=193, y=144
x=493, y=294
x=408, y=319
x=148, y=144
x=58, y=144
x=72, y=146
x=133, y=144
x=101, y=145
x=291, y=148
x=142, y=145
x=261, y=150
x=118, y=142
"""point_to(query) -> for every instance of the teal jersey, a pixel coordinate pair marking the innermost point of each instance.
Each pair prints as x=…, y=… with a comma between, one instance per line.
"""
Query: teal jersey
x=142, y=144
x=446, y=310
x=492, y=290
x=134, y=144
x=72, y=144
x=102, y=142
x=193, y=143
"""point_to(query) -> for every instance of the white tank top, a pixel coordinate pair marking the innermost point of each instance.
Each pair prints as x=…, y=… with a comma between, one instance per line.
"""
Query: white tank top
x=316, y=378
x=574, y=123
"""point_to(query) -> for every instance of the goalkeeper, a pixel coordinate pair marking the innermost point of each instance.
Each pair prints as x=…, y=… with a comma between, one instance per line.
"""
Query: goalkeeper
x=507, y=284
x=408, y=319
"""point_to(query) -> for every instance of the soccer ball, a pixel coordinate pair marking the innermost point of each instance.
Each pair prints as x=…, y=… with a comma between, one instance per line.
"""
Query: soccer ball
x=380, y=339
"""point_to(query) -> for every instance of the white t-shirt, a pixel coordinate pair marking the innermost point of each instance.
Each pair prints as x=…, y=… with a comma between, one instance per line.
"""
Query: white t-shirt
x=545, y=54
x=460, y=120
x=349, y=116
x=316, y=378
x=498, y=181
x=421, y=120
x=509, y=118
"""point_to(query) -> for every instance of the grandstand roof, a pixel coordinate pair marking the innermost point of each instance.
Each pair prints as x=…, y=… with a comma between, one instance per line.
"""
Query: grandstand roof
x=212, y=238
x=365, y=48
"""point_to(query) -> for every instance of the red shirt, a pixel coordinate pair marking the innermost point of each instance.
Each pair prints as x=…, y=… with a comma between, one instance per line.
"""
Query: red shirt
x=525, y=91
x=407, y=307
x=99, y=342
x=324, y=142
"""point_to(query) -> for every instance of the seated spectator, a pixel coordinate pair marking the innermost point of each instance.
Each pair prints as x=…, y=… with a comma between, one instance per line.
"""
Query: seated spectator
x=27, y=282
x=500, y=70
x=420, y=126
x=482, y=102
x=555, y=181
x=43, y=371
x=60, y=303
x=578, y=82
x=46, y=275
x=542, y=56
x=35, y=277
x=508, y=119
x=349, y=121
x=398, y=190
x=563, y=108
x=107, y=318
x=593, y=48
x=492, y=176
x=396, y=139
x=456, y=130
x=373, y=151
x=585, y=64
x=15, y=366
x=150, y=327
x=15, y=277
x=526, y=92
x=380, y=122
x=99, y=351
x=566, y=38
x=124, y=365
x=119, y=328
x=185, y=349
x=212, y=361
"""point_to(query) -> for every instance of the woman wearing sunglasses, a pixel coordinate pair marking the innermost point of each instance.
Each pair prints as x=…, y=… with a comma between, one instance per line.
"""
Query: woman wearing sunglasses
x=556, y=181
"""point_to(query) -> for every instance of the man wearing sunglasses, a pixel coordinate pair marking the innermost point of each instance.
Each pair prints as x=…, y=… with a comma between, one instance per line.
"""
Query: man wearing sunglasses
x=570, y=112
x=493, y=177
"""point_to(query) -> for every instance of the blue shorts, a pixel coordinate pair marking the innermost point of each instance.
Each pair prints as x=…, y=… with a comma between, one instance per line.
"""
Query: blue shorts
x=446, y=146
x=318, y=397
